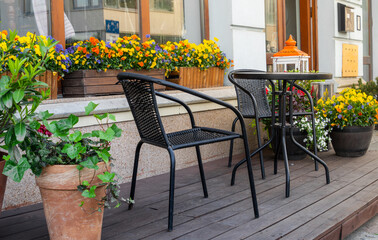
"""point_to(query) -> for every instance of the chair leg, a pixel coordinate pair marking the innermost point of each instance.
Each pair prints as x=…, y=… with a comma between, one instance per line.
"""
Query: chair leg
x=259, y=145
x=251, y=180
x=314, y=139
x=232, y=142
x=278, y=148
x=171, y=189
x=200, y=165
x=135, y=171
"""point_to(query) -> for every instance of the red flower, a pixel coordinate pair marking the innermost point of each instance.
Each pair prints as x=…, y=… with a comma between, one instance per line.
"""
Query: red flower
x=42, y=129
x=360, y=113
x=266, y=90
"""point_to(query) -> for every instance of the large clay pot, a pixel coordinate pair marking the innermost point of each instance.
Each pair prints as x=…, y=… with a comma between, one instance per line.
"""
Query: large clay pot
x=352, y=141
x=65, y=218
x=3, y=179
x=293, y=151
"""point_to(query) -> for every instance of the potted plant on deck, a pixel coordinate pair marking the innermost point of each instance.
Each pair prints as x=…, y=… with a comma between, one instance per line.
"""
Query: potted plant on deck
x=73, y=172
x=303, y=132
x=19, y=95
x=352, y=117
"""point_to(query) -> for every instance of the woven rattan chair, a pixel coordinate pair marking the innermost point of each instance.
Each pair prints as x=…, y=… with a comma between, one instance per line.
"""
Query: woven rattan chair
x=141, y=96
x=253, y=103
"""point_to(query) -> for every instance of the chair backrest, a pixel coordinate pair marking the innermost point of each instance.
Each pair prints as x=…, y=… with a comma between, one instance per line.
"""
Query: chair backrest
x=257, y=88
x=141, y=97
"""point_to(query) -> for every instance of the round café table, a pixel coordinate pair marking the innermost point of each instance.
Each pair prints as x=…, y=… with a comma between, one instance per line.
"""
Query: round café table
x=286, y=82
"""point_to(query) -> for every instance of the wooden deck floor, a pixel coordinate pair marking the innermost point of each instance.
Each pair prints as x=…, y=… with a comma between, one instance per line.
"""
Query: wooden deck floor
x=314, y=210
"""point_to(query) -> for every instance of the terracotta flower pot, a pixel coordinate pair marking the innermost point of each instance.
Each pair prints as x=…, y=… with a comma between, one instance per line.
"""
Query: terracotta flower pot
x=3, y=180
x=352, y=141
x=65, y=218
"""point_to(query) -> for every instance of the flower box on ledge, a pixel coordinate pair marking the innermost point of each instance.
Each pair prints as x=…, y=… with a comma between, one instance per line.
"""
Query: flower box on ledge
x=48, y=77
x=193, y=77
x=84, y=83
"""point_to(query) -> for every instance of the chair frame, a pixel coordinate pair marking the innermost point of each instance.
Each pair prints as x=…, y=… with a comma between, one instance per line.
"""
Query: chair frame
x=127, y=78
x=257, y=120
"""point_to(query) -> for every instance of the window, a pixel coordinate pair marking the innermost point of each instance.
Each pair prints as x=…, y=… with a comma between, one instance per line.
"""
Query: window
x=28, y=8
x=26, y=16
x=181, y=22
x=77, y=4
x=128, y=4
x=165, y=5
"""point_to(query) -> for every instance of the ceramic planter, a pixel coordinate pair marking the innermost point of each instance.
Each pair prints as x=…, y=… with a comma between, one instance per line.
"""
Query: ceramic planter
x=65, y=218
x=84, y=83
x=293, y=151
x=48, y=77
x=3, y=179
x=193, y=77
x=351, y=141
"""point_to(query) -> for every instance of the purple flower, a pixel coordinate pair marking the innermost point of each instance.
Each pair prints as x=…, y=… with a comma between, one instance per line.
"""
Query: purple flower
x=98, y=61
x=148, y=36
x=330, y=112
x=339, y=116
x=350, y=107
x=157, y=48
x=108, y=45
x=58, y=47
x=363, y=106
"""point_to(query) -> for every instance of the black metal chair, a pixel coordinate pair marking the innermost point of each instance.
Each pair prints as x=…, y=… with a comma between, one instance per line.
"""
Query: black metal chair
x=253, y=103
x=141, y=96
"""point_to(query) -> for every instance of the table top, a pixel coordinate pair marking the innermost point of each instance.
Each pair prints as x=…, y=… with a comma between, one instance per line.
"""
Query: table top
x=282, y=75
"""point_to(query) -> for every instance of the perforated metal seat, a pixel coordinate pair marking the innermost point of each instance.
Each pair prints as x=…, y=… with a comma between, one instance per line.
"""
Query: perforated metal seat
x=141, y=96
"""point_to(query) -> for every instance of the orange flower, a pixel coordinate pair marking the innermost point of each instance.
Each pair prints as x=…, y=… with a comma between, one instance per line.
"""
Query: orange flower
x=141, y=64
x=134, y=37
x=93, y=40
x=120, y=52
x=4, y=32
x=96, y=50
x=180, y=57
x=137, y=48
x=84, y=50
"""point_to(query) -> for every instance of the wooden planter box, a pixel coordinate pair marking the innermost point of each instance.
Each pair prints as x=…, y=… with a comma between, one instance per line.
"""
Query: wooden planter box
x=193, y=77
x=49, y=78
x=86, y=83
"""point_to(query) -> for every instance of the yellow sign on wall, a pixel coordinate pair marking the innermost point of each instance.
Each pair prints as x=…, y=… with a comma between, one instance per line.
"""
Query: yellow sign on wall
x=350, y=60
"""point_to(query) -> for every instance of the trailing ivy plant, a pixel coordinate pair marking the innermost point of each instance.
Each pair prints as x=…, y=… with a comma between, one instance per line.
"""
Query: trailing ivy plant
x=56, y=143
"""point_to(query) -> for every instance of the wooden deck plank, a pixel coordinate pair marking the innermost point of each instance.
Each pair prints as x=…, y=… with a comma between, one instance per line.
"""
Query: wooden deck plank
x=227, y=213
x=285, y=207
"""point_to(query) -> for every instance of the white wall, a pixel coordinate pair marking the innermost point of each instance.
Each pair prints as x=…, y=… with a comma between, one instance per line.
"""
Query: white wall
x=375, y=38
x=331, y=40
x=239, y=25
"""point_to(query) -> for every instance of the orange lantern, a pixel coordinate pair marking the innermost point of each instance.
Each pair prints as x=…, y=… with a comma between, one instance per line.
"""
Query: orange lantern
x=290, y=58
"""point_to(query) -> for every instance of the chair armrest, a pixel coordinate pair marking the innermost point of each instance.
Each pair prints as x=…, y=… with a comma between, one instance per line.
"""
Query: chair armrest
x=180, y=102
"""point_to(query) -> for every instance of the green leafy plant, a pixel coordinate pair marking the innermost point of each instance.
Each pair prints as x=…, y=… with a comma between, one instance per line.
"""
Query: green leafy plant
x=19, y=95
x=56, y=143
x=370, y=87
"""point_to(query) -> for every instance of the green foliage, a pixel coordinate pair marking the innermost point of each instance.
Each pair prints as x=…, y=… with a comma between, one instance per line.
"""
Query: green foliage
x=370, y=87
x=55, y=143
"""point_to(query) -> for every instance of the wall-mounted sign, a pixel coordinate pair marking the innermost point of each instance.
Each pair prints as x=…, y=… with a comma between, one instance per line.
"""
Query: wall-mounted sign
x=345, y=18
x=112, y=30
x=350, y=60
